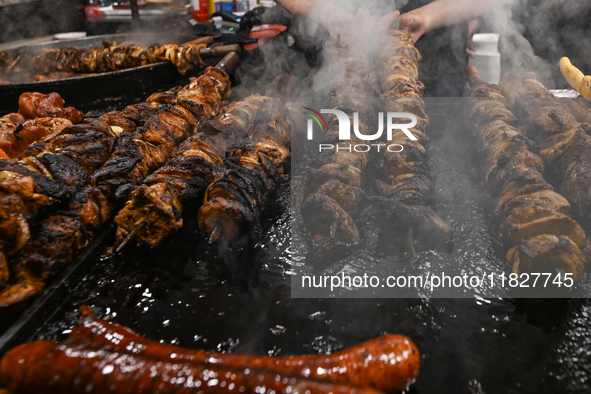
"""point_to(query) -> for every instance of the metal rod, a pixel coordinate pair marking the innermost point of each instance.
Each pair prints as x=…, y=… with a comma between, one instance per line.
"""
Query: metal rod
x=135, y=11
x=229, y=62
x=218, y=51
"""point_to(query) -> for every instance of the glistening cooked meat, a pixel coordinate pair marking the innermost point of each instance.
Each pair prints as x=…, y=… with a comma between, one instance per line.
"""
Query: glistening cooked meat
x=8, y=125
x=26, y=193
x=60, y=237
x=40, y=116
x=389, y=363
x=48, y=367
x=55, y=172
x=234, y=204
x=34, y=130
x=155, y=209
x=38, y=105
x=564, y=140
x=405, y=177
x=139, y=154
x=532, y=219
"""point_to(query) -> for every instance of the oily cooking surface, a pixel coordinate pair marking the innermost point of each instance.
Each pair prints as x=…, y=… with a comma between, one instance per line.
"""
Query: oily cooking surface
x=468, y=346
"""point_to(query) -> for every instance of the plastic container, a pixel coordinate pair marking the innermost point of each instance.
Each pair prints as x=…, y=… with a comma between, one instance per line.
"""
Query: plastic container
x=199, y=10
x=487, y=58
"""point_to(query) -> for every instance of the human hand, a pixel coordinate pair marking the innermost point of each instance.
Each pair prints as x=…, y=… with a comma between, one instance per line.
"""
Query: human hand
x=416, y=23
x=386, y=21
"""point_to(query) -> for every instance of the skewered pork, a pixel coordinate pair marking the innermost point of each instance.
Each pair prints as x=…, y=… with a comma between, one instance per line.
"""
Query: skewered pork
x=235, y=203
x=65, y=162
x=61, y=162
x=563, y=139
x=533, y=221
x=334, y=197
x=404, y=177
x=178, y=187
x=110, y=57
x=149, y=147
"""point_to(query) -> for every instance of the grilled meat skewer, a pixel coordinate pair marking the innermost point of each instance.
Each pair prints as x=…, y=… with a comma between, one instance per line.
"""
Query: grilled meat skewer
x=149, y=147
x=564, y=141
x=30, y=185
x=533, y=221
x=234, y=204
x=110, y=57
x=404, y=177
x=178, y=187
x=334, y=196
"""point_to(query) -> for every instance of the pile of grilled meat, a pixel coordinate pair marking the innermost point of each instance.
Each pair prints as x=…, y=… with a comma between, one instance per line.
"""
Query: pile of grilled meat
x=67, y=176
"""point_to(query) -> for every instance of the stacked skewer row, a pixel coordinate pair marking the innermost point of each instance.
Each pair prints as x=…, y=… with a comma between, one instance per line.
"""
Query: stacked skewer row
x=72, y=179
x=403, y=182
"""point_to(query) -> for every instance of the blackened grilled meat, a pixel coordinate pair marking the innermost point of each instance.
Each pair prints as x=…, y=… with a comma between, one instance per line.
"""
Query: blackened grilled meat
x=235, y=204
x=193, y=166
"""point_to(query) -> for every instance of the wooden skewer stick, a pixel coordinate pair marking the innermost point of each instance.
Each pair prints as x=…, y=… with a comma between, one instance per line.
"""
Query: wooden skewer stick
x=215, y=234
x=130, y=236
x=218, y=51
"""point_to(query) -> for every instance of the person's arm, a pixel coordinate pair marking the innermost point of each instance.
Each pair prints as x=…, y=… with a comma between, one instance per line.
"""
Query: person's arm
x=297, y=7
x=329, y=15
x=446, y=12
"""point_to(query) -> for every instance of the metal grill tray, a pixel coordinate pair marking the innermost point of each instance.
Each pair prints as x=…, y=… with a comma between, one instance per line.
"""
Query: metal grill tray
x=100, y=90
x=175, y=294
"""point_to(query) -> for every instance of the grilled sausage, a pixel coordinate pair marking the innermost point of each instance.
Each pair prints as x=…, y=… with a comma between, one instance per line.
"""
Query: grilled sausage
x=389, y=363
x=45, y=367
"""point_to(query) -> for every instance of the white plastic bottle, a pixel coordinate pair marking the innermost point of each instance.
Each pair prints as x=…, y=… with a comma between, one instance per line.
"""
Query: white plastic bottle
x=487, y=59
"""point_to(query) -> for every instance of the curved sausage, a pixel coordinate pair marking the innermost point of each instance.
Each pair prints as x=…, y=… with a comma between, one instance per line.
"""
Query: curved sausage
x=389, y=363
x=45, y=367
